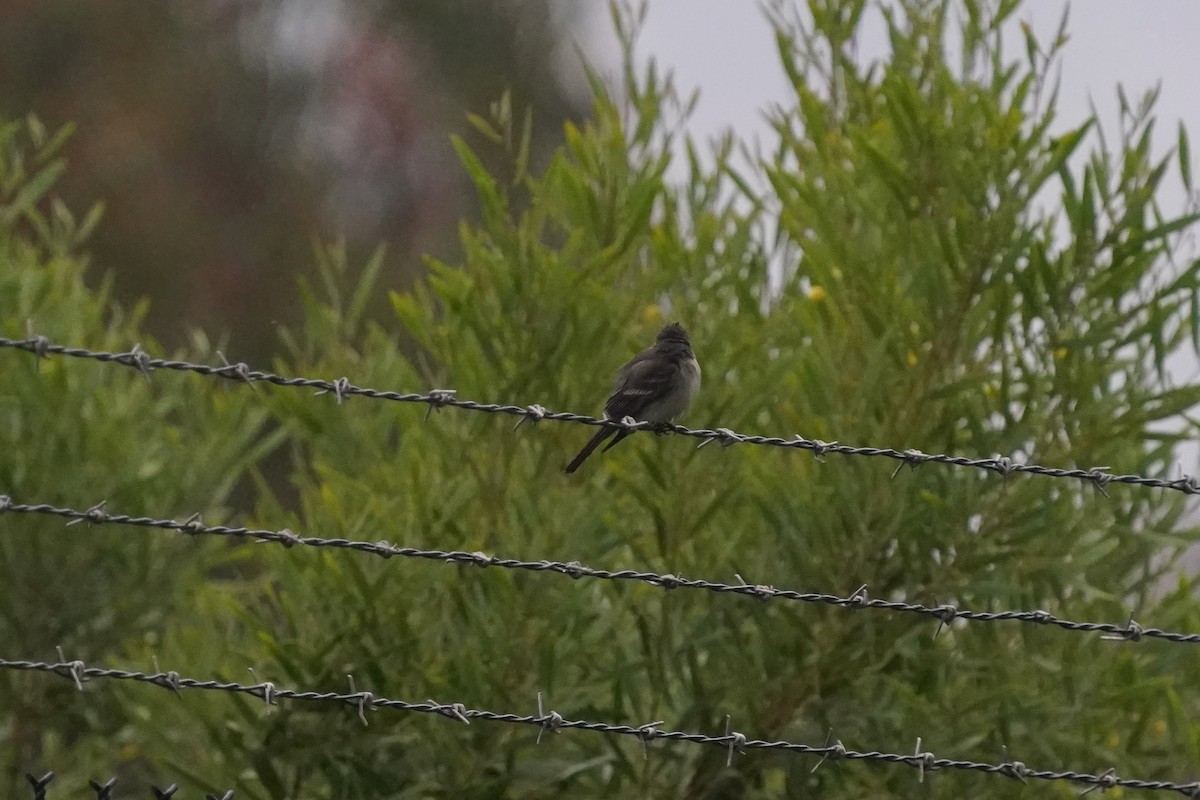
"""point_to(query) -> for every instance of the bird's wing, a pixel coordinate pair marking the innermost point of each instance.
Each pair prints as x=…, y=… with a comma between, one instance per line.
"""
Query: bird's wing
x=639, y=382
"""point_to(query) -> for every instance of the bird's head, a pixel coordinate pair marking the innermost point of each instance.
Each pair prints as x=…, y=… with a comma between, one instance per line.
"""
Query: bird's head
x=673, y=333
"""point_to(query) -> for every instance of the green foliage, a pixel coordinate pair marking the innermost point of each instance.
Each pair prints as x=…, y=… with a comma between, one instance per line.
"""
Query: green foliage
x=917, y=263
x=75, y=433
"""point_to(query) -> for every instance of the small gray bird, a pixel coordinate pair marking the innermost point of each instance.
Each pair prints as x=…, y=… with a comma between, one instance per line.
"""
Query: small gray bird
x=656, y=386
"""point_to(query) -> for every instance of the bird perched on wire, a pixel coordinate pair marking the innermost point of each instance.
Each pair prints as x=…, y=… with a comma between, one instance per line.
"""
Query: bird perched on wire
x=656, y=386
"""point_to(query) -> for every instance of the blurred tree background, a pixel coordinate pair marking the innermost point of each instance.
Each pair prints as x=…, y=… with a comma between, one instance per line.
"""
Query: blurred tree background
x=220, y=134
x=924, y=257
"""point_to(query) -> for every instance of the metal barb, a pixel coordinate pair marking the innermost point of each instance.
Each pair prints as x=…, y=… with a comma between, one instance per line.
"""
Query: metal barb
x=760, y=590
x=39, y=784
x=76, y=669
x=37, y=344
x=164, y=794
x=1131, y=633
x=912, y=458
x=764, y=591
x=820, y=448
x=1188, y=484
x=737, y=741
x=647, y=731
x=1106, y=780
x=550, y=722
x=1003, y=465
x=170, y=680
x=669, y=581
x=78, y=674
x=103, y=790
x=438, y=398
x=138, y=358
x=93, y=514
x=946, y=614
x=240, y=370
x=723, y=435
x=534, y=413
x=1015, y=770
x=286, y=537
x=265, y=689
x=340, y=389
x=1100, y=476
x=834, y=752
x=365, y=700
x=925, y=761
x=455, y=711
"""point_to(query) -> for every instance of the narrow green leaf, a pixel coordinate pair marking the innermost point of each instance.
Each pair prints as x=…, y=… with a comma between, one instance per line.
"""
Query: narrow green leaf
x=1136, y=241
x=32, y=192
x=1185, y=160
x=486, y=128
x=90, y=220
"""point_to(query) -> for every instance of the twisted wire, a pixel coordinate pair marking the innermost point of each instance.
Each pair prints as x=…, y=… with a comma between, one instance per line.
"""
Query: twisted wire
x=944, y=613
x=732, y=741
x=342, y=388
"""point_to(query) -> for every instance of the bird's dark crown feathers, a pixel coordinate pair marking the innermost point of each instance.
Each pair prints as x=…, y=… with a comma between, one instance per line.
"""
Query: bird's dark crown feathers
x=673, y=333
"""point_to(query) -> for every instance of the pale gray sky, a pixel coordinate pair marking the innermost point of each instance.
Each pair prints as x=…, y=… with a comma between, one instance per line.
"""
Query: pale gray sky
x=725, y=49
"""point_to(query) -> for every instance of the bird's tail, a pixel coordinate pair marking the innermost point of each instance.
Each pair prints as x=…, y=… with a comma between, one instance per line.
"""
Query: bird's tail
x=592, y=444
x=621, y=434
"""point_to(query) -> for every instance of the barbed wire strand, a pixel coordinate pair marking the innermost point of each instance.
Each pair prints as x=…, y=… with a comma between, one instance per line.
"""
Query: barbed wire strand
x=944, y=613
x=342, y=388
x=732, y=741
x=104, y=791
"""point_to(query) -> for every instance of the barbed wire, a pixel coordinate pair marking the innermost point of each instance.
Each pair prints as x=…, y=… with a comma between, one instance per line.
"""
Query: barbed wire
x=944, y=613
x=342, y=388
x=552, y=722
x=104, y=791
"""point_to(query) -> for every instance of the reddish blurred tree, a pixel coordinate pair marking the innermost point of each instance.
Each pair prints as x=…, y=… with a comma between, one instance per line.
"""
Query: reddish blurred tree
x=220, y=135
